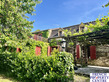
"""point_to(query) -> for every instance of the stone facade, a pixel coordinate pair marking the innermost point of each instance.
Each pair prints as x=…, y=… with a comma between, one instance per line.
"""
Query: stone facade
x=102, y=54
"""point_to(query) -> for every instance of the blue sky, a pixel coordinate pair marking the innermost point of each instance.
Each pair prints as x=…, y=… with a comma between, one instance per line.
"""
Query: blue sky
x=63, y=13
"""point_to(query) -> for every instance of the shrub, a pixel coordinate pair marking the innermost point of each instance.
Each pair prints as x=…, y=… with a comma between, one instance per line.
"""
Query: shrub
x=55, y=51
x=56, y=68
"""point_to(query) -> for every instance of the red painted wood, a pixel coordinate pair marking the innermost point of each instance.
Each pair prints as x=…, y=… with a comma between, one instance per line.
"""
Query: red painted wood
x=18, y=50
x=77, y=51
x=93, y=52
x=37, y=51
x=49, y=50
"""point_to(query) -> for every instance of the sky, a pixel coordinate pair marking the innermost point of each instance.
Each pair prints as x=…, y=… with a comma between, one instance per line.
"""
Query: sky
x=62, y=13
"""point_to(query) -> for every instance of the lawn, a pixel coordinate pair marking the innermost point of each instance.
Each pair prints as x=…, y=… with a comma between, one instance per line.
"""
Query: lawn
x=77, y=78
x=4, y=78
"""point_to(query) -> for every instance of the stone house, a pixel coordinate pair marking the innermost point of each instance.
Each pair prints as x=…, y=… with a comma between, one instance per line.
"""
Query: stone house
x=96, y=53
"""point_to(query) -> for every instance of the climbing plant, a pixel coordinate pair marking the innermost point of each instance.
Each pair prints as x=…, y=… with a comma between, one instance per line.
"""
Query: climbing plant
x=45, y=34
x=54, y=42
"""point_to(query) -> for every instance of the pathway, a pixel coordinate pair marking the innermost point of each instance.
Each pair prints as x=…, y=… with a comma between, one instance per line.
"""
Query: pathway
x=92, y=69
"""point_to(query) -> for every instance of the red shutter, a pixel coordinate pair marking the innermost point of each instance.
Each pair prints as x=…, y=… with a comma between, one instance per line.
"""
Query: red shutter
x=77, y=51
x=92, y=52
x=18, y=50
x=37, y=51
x=49, y=50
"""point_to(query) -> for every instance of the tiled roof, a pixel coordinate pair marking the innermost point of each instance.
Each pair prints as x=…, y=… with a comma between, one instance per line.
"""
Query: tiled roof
x=54, y=32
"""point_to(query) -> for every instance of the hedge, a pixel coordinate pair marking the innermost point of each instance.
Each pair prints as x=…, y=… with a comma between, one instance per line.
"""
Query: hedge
x=26, y=68
x=27, y=47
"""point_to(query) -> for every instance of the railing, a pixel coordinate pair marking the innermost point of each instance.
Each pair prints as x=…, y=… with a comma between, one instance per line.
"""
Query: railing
x=40, y=38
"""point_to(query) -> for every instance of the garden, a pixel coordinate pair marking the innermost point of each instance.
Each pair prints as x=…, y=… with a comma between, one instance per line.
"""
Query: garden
x=23, y=65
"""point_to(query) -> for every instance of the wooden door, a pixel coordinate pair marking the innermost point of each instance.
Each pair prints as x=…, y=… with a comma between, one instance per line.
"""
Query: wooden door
x=78, y=51
x=92, y=52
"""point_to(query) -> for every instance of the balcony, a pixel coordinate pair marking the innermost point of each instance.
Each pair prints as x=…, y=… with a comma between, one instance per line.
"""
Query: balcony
x=40, y=38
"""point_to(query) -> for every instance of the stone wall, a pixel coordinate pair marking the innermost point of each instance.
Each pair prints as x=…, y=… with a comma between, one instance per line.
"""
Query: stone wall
x=102, y=54
x=102, y=51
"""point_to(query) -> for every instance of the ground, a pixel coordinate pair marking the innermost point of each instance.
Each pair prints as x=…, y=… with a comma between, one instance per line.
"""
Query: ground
x=3, y=78
x=77, y=78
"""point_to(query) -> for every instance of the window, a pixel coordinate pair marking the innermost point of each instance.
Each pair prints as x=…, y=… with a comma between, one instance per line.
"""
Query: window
x=82, y=29
x=77, y=30
x=56, y=34
x=60, y=33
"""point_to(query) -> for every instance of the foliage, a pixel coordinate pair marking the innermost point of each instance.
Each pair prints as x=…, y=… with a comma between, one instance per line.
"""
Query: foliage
x=45, y=34
x=99, y=25
x=13, y=20
x=37, y=30
x=55, y=51
x=44, y=47
x=67, y=32
x=106, y=5
x=71, y=44
x=15, y=28
x=54, y=42
x=30, y=68
x=28, y=46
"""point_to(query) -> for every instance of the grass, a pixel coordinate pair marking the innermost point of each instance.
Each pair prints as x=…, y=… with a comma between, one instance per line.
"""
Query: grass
x=80, y=78
x=4, y=77
x=77, y=78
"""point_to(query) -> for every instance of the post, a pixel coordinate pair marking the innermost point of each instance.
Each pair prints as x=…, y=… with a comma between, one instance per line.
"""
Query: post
x=85, y=54
x=73, y=52
x=66, y=46
x=81, y=54
x=49, y=51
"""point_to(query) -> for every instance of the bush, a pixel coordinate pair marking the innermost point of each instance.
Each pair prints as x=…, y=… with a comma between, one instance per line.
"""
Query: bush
x=55, y=51
x=56, y=68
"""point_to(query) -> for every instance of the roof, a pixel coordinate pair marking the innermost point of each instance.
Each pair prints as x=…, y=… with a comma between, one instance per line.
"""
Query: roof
x=54, y=32
x=39, y=31
x=45, y=30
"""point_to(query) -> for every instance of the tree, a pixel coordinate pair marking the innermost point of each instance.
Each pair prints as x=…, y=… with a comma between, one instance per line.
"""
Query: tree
x=106, y=5
x=13, y=20
x=37, y=30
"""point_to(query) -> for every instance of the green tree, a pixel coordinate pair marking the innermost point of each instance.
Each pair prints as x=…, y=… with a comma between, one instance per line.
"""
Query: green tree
x=37, y=30
x=13, y=20
x=106, y=5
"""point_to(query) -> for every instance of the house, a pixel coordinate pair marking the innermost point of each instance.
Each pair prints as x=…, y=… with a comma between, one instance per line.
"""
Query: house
x=58, y=33
x=94, y=52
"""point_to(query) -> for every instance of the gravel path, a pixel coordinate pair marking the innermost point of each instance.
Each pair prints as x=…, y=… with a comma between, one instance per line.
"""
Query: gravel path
x=92, y=69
